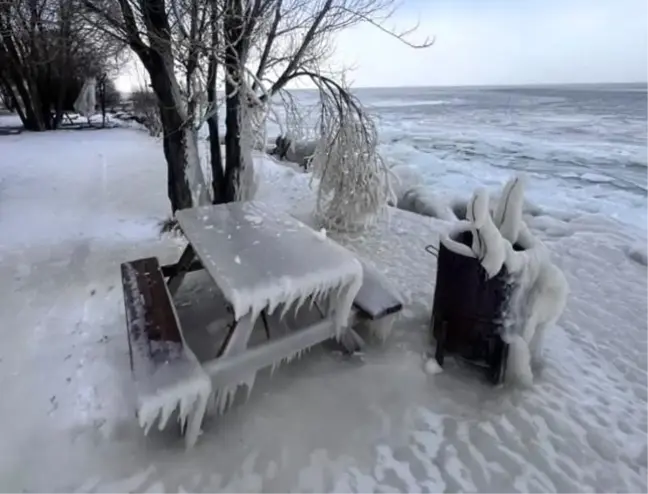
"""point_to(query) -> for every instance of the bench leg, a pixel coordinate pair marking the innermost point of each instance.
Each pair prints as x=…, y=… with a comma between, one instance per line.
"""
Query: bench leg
x=350, y=341
x=192, y=429
x=381, y=328
x=235, y=343
x=183, y=266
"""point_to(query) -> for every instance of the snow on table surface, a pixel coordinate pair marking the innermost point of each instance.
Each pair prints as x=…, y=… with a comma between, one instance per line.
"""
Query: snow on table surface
x=260, y=257
x=324, y=423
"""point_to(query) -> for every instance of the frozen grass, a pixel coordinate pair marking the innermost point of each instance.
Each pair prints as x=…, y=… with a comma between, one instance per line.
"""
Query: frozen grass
x=74, y=205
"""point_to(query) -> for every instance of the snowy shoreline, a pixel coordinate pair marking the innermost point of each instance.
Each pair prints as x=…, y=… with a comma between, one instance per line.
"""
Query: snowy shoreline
x=74, y=205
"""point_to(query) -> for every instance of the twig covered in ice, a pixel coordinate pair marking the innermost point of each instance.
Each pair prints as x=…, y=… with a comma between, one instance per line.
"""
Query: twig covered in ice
x=354, y=182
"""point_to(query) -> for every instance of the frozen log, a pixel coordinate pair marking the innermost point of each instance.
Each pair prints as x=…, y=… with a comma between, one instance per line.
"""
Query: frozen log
x=300, y=152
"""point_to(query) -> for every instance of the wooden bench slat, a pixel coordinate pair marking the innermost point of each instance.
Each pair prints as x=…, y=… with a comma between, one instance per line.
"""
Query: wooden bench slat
x=374, y=299
x=148, y=303
x=167, y=375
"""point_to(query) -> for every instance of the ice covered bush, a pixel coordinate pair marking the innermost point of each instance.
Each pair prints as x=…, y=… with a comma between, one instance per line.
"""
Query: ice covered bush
x=354, y=182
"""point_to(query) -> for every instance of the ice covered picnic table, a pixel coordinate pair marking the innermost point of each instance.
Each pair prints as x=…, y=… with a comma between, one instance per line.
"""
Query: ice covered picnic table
x=262, y=260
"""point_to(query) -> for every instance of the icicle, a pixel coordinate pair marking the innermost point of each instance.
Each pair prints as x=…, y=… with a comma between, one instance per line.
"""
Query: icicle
x=183, y=411
x=224, y=398
x=147, y=418
x=249, y=383
x=167, y=409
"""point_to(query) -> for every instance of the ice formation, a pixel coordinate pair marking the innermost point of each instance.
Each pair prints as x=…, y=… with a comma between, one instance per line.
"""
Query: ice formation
x=537, y=301
x=508, y=214
x=251, y=123
x=420, y=200
x=405, y=178
x=292, y=149
x=432, y=367
x=223, y=397
x=539, y=287
x=86, y=100
x=382, y=328
x=487, y=243
x=341, y=284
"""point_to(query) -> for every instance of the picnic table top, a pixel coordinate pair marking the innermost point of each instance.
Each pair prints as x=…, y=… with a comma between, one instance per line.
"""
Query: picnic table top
x=260, y=258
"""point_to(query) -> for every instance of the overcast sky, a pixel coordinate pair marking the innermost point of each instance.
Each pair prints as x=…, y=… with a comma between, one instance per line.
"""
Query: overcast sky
x=498, y=42
x=504, y=42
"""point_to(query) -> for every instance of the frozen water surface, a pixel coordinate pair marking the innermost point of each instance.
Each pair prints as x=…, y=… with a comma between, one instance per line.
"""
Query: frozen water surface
x=73, y=207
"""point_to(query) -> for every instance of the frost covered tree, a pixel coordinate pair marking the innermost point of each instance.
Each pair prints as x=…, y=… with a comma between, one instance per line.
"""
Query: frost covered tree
x=250, y=50
x=46, y=52
x=354, y=182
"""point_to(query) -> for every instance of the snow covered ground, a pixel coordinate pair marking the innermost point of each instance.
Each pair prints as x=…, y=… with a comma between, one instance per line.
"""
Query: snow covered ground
x=75, y=204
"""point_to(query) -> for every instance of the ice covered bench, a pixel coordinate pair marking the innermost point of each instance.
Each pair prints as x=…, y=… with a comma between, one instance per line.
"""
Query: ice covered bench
x=376, y=306
x=160, y=364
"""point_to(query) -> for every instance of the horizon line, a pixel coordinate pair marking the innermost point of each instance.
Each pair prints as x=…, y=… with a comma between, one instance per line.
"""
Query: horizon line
x=483, y=86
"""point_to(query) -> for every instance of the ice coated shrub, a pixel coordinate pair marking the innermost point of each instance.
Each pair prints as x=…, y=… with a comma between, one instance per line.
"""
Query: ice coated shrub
x=354, y=182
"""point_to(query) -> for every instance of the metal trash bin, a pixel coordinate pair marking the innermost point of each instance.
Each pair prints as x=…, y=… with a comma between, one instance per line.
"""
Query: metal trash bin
x=468, y=311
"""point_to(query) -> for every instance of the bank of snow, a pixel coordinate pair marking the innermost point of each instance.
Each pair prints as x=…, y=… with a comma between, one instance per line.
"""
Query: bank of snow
x=74, y=205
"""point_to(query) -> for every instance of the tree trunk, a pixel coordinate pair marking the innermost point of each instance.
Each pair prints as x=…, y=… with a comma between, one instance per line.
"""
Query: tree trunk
x=186, y=183
x=174, y=144
x=232, y=143
x=233, y=28
x=216, y=161
x=179, y=141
